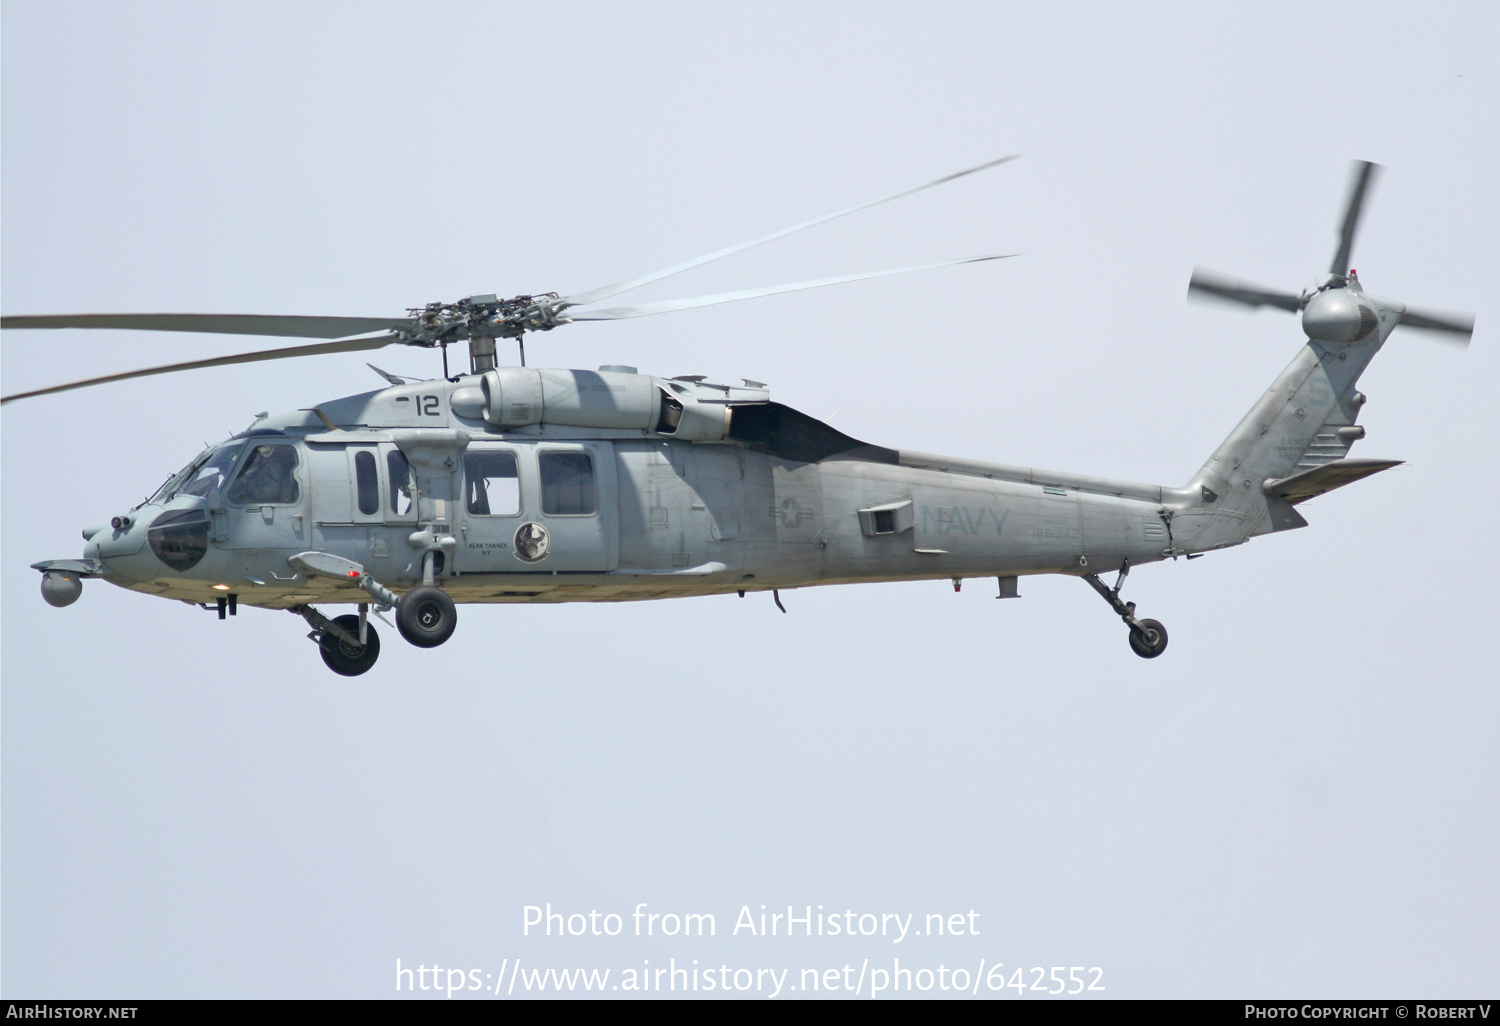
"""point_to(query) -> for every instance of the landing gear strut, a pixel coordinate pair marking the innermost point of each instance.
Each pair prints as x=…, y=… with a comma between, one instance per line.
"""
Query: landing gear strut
x=1148, y=638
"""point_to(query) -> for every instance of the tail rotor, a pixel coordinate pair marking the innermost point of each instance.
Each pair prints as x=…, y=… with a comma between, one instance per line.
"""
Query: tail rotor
x=1337, y=310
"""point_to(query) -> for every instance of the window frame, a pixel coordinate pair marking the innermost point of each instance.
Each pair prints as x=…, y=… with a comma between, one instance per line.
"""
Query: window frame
x=242, y=463
x=361, y=452
x=392, y=488
x=515, y=458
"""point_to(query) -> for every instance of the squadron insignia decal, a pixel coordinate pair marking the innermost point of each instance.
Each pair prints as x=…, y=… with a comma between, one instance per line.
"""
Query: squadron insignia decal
x=532, y=542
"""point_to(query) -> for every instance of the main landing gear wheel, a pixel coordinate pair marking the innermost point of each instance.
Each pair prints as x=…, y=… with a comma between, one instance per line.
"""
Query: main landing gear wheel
x=345, y=658
x=1149, y=640
x=426, y=616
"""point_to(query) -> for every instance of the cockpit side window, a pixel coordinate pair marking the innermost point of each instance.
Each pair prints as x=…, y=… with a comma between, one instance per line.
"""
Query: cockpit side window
x=205, y=477
x=267, y=476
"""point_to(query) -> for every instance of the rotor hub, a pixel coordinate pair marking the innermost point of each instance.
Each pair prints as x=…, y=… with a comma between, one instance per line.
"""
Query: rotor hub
x=1338, y=315
x=480, y=320
x=485, y=316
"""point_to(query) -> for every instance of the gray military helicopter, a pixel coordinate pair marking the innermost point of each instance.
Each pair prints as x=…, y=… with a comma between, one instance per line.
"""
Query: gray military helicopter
x=514, y=484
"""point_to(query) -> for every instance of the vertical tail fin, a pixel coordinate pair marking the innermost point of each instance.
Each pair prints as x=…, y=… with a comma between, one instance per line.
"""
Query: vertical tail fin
x=1291, y=444
x=1305, y=420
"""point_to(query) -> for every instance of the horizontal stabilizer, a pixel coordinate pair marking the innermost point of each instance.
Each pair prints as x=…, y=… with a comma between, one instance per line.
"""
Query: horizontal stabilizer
x=1335, y=474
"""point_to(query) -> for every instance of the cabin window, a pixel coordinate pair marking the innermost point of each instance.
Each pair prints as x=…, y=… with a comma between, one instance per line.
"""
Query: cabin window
x=366, y=482
x=267, y=476
x=567, y=484
x=491, y=484
x=399, y=471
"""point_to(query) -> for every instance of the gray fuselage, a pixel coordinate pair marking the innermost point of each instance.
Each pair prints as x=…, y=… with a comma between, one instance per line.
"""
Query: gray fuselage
x=797, y=504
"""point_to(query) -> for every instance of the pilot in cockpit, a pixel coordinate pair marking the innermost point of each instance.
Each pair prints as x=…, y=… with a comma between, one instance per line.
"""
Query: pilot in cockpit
x=267, y=476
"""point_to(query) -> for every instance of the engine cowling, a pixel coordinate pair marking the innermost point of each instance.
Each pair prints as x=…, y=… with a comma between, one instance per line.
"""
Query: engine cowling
x=521, y=396
x=518, y=396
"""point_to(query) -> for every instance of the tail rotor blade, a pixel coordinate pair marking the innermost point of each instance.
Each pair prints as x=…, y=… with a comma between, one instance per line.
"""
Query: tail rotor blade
x=584, y=298
x=1364, y=175
x=672, y=305
x=1208, y=284
x=1454, y=324
x=321, y=349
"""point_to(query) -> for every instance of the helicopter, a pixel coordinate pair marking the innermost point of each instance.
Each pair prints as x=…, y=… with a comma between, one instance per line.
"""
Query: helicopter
x=517, y=484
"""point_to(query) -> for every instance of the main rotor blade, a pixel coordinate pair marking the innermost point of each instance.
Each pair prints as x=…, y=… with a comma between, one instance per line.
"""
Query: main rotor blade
x=584, y=298
x=219, y=324
x=672, y=305
x=1454, y=324
x=347, y=346
x=1364, y=174
x=1238, y=292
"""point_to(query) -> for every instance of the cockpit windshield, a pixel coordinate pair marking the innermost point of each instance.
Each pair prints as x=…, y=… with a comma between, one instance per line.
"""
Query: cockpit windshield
x=204, y=476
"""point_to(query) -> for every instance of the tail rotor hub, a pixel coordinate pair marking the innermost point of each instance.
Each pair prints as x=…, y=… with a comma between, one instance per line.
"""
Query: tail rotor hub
x=1338, y=315
x=1339, y=310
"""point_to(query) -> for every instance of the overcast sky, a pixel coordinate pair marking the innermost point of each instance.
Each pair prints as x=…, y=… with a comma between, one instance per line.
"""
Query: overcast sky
x=1297, y=799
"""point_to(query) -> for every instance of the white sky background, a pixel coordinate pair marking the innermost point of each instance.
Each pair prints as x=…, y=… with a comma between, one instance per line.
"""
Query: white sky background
x=1297, y=799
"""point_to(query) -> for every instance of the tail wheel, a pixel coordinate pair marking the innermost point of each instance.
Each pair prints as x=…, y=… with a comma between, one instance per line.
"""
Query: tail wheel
x=1149, y=640
x=426, y=616
x=348, y=659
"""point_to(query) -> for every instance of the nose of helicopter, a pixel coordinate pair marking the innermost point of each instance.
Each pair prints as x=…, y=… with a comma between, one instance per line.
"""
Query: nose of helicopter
x=120, y=540
x=91, y=542
x=62, y=579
